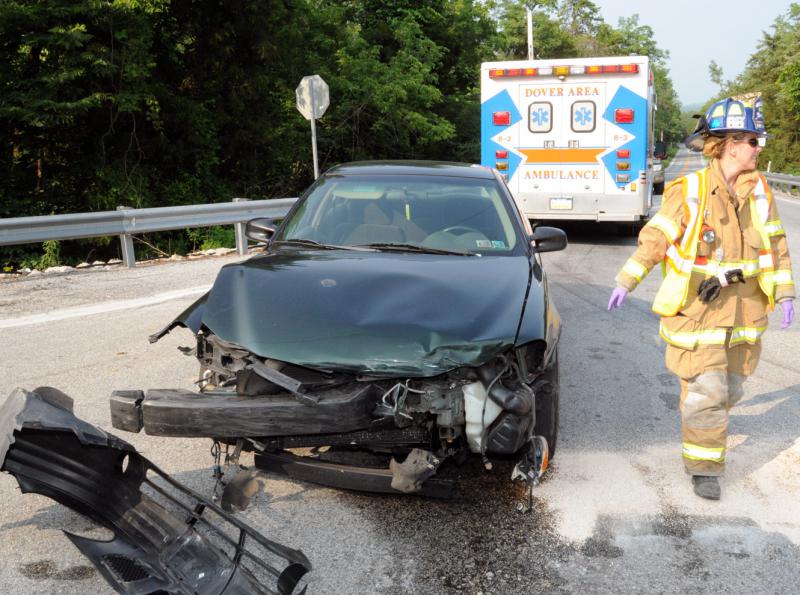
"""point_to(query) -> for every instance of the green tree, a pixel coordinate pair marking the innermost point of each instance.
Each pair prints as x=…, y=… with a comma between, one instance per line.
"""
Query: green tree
x=631, y=37
x=75, y=78
x=550, y=39
x=774, y=70
x=715, y=73
x=405, y=79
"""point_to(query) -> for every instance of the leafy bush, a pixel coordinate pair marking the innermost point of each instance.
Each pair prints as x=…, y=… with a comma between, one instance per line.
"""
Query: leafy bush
x=217, y=236
x=51, y=255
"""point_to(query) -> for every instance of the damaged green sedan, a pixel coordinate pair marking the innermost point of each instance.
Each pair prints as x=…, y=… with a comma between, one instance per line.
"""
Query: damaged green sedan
x=399, y=317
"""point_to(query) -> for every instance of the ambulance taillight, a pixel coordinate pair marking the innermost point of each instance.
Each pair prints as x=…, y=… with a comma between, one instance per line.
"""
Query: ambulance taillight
x=501, y=118
x=623, y=116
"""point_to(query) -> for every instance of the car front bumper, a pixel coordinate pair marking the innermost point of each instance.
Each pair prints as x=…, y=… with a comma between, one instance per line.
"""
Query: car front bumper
x=178, y=412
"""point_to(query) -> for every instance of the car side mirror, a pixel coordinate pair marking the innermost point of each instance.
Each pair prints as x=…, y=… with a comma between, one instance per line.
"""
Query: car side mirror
x=260, y=229
x=548, y=239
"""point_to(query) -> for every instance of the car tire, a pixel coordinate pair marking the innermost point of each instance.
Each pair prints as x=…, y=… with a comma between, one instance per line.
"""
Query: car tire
x=547, y=408
x=658, y=188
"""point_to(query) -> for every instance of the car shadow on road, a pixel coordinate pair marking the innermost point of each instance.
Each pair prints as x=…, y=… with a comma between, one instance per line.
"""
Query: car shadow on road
x=594, y=233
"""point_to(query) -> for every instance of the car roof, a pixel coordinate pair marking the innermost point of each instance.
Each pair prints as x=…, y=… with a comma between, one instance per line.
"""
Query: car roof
x=424, y=168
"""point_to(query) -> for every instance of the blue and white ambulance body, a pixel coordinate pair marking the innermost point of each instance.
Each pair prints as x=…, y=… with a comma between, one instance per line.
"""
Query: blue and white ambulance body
x=573, y=136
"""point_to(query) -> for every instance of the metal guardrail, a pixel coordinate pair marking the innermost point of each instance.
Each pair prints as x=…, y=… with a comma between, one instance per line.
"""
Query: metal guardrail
x=126, y=222
x=786, y=183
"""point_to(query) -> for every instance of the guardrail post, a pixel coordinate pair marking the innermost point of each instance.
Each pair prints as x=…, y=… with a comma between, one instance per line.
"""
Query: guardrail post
x=241, y=239
x=126, y=239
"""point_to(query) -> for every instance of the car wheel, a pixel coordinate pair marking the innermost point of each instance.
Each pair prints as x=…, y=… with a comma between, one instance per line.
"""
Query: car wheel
x=547, y=408
x=658, y=188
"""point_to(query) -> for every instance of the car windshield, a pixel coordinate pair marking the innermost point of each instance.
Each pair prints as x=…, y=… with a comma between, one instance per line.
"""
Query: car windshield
x=416, y=213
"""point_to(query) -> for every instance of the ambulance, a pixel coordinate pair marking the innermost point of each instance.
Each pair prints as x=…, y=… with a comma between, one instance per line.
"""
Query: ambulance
x=572, y=137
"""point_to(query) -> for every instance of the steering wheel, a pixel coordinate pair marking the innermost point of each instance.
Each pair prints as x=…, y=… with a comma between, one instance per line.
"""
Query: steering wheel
x=460, y=228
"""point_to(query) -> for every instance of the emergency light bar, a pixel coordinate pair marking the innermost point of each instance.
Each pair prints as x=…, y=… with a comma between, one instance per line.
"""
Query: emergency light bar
x=497, y=73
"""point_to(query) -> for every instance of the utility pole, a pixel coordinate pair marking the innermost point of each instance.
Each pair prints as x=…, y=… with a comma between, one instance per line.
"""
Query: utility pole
x=529, y=10
x=529, y=6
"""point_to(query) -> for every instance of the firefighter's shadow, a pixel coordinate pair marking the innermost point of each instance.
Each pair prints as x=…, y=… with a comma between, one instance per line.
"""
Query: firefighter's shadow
x=762, y=430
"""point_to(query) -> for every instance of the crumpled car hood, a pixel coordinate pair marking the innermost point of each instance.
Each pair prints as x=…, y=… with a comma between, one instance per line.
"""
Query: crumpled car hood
x=390, y=314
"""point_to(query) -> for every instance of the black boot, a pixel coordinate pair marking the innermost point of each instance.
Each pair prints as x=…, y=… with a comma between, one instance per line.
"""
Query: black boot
x=706, y=487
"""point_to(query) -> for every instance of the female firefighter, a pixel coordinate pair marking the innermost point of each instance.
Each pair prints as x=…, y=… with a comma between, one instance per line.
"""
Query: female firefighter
x=726, y=265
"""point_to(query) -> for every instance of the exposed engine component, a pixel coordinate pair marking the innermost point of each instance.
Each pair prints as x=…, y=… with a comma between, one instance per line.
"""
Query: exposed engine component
x=518, y=402
x=480, y=412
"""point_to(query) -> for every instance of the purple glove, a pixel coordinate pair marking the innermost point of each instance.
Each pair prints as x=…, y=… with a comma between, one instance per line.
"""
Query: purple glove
x=787, y=306
x=618, y=296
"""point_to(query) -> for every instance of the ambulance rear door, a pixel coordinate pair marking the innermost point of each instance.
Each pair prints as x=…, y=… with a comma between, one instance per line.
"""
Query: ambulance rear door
x=562, y=136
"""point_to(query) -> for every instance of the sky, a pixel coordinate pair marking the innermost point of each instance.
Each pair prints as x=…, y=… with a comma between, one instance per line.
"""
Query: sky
x=698, y=31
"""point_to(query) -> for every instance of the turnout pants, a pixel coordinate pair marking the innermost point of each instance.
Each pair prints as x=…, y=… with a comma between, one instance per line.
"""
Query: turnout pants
x=711, y=379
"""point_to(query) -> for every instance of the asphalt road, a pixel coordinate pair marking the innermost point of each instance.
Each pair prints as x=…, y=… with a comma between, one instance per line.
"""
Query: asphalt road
x=616, y=514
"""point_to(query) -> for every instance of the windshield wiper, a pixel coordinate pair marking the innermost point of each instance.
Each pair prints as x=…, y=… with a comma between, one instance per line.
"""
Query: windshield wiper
x=414, y=248
x=309, y=243
x=314, y=244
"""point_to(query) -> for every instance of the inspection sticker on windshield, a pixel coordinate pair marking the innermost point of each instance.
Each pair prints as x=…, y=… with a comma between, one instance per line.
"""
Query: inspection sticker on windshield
x=483, y=243
x=498, y=244
x=561, y=204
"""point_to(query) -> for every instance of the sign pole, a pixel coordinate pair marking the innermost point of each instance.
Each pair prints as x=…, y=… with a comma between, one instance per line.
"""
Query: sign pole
x=313, y=98
x=314, y=132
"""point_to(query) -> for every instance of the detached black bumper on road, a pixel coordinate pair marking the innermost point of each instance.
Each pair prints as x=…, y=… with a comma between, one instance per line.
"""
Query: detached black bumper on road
x=167, y=538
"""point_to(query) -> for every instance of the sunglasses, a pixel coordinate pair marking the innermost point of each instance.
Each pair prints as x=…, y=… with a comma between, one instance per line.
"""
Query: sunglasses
x=753, y=142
